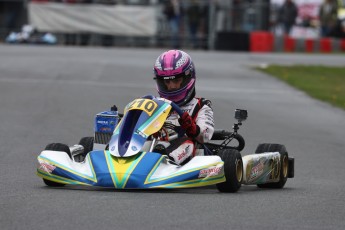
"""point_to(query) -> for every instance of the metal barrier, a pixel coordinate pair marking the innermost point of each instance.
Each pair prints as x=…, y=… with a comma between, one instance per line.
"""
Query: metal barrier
x=224, y=24
x=162, y=38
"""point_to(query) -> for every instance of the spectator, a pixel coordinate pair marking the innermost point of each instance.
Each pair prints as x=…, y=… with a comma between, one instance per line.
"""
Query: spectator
x=287, y=15
x=11, y=11
x=70, y=38
x=339, y=29
x=194, y=18
x=85, y=37
x=205, y=24
x=106, y=39
x=328, y=14
x=172, y=11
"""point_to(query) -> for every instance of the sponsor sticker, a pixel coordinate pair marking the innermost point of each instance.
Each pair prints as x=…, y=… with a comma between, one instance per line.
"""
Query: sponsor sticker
x=45, y=166
x=157, y=124
x=257, y=171
x=181, y=155
x=105, y=129
x=214, y=171
x=169, y=78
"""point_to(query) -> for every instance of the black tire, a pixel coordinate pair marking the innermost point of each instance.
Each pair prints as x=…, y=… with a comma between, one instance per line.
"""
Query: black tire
x=57, y=147
x=241, y=142
x=233, y=170
x=284, y=164
x=52, y=183
x=87, y=143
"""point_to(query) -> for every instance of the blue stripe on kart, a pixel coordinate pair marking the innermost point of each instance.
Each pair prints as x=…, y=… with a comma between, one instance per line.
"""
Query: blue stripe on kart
x=101, y=168
x=138, y=176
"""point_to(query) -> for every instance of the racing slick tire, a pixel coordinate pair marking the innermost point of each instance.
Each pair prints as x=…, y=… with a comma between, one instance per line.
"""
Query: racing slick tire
x=57, y=147
x=233, y=170
x=284, y=164
x=87, y=143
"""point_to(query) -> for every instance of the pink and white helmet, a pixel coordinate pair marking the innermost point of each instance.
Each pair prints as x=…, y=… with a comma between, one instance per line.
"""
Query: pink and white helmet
x=175, y=64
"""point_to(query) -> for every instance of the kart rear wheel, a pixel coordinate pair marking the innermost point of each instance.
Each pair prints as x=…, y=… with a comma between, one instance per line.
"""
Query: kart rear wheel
x=87, y=143
x=284, y=164
x=233, y=170
x=57, y=147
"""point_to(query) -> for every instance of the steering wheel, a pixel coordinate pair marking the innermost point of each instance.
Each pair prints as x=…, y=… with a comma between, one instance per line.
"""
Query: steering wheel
x=178, y=129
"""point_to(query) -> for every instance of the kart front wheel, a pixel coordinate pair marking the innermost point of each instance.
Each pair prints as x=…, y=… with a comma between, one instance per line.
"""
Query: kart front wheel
x=87, y=143
x=283, y=168
x=233, y=170
x=57, y=147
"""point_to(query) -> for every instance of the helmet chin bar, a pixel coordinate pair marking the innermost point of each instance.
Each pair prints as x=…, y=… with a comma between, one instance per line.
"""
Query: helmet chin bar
x=188, y=98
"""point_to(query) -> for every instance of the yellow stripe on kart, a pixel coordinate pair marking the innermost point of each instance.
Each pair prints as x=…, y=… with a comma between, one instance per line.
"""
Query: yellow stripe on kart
x=122, y=168
x=57, y=179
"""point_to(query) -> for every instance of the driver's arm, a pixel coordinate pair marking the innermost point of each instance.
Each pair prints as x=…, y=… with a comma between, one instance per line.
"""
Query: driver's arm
x=205, y=122
x=202, y=127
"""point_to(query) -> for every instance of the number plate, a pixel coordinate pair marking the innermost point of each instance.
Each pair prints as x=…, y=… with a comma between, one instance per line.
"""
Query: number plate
x=146, y=105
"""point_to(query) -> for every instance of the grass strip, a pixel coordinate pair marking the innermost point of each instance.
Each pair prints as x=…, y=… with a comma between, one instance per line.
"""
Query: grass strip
x=321, y=82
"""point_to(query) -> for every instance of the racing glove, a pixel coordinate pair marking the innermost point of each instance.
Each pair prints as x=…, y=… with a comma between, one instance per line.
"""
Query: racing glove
x=187, y=123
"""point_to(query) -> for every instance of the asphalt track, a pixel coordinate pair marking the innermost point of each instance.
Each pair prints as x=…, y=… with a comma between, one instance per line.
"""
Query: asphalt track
x=51, y=94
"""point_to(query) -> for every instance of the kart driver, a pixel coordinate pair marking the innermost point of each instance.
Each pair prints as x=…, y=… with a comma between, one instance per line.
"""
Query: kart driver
x=175, y=77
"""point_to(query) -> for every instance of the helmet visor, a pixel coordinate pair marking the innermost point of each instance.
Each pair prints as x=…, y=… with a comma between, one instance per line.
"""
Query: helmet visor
x=170, y=84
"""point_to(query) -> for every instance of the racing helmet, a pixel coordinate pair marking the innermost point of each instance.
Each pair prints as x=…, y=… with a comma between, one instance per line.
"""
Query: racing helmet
x=174, y=64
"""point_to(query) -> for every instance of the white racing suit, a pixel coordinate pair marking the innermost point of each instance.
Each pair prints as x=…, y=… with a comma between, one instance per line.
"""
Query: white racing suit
x=182, y=149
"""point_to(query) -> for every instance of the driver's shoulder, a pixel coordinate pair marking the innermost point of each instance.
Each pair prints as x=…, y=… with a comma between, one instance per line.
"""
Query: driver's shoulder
x=201, y=102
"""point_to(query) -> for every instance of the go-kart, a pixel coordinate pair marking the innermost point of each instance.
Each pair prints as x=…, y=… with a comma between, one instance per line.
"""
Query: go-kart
x=123, y=154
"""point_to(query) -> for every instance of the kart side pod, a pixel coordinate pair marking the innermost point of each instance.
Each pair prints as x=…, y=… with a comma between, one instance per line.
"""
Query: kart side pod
x=267, y=167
